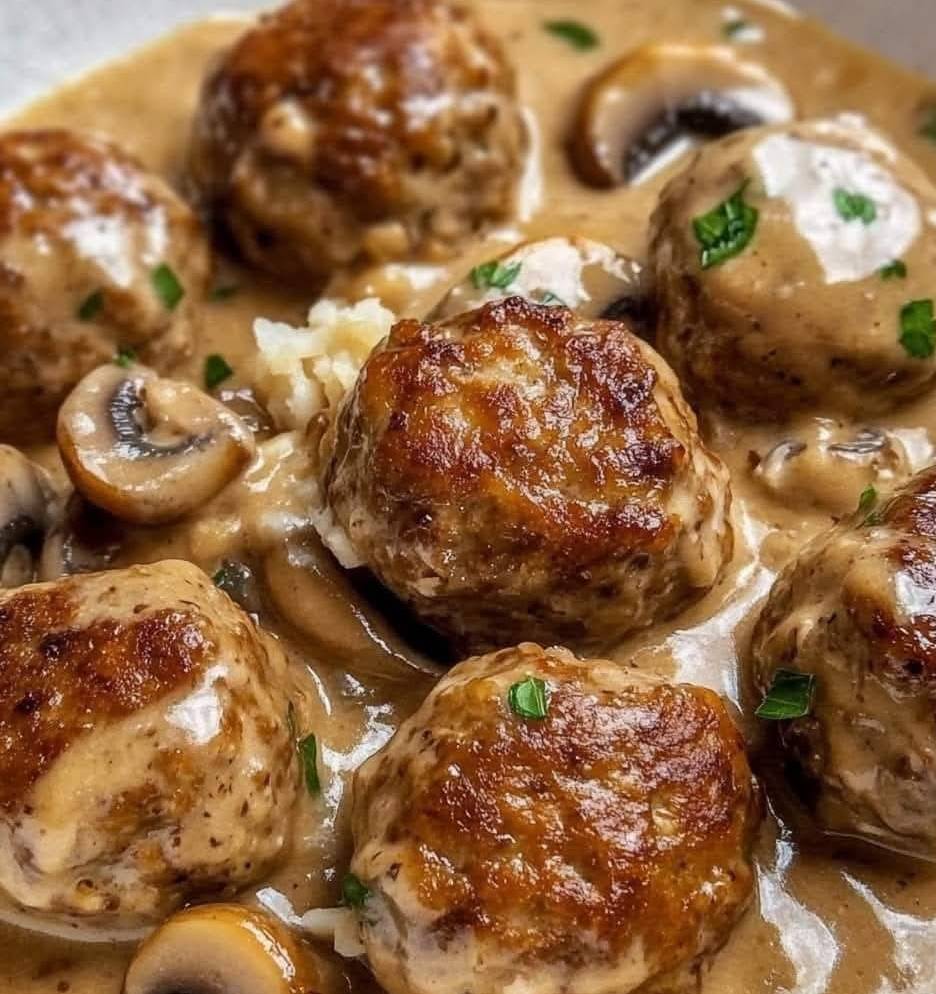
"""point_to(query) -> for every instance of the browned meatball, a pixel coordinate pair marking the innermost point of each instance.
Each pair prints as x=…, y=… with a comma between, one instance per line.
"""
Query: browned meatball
x=94, y=252
x=344, y=129
x=857, y=612
x=602, y=848
x=522, y=472
x=145, y=757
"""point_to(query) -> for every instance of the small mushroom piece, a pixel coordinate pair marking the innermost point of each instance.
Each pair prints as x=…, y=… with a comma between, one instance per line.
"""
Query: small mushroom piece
x=26, y=513
x=149, y=450
x=82, y=539
x=586, y=276
x=222, y=949
x=655, y=103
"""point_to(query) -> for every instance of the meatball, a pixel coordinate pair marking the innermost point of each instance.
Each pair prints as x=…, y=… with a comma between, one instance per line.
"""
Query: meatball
x=856, y=613
x=94, y=254
x=522, y=472
x=794, y=268
x=603, y=847
x=342, y=130
x=145, y=758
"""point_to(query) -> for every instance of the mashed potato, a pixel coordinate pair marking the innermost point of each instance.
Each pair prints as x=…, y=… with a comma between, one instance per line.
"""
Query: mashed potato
x=302, y=372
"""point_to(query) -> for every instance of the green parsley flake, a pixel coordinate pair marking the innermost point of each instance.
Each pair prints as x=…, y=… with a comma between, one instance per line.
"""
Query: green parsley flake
x=233, y=578
x=578, y=35
x=790, y=696
x=493, y=276
x=731, y=29
x=854, y=206
x=167, y=286
x=125, y=358
x=353, y=893
x=216, y=371
x=528, y=698
x=308, y=753
x=550, y=299
x=91, y=306
x=896, y=270
x=918, y=329
x=867, y=500
x=727, y=230
x=928, y=125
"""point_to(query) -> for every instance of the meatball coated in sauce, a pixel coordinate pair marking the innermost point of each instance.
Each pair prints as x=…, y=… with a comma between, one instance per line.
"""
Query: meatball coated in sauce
x=342, y=130
x=83, y=231
x=807, y=316
x=520, y=472
x=145, y=759
x=603, y=848
x=857, y=610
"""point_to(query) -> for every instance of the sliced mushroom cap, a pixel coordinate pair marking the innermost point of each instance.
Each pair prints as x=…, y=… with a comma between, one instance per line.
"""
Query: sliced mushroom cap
x=647, y=108
x=222, y=949
x=27, y=511
x=581, y=274
x=149, y=450
x=83, y=539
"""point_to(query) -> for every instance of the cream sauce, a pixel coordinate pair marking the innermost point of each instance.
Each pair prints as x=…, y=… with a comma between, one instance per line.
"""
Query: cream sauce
x=824, y=921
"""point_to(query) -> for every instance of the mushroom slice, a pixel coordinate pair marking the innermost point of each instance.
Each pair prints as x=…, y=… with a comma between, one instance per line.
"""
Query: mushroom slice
x=147, y=449
x=26, y=514
x=656, y=102
x=585, y=276
x=222, y=949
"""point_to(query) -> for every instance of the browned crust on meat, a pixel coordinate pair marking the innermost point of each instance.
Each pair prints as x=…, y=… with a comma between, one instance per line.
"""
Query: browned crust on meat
x=58, y=682
x=609, y=819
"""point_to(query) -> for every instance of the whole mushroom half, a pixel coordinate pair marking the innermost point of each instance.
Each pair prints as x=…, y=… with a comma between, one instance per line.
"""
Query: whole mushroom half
x=659, y=100
x=222, y=949
x=27, y=502
x=149, y=450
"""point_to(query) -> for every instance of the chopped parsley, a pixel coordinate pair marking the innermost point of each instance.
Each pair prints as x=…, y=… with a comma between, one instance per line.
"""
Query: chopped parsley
x=225, y=291
x=918, y=329
x=578, y=35
x=167, y=286
x=727, y=230
x=854, y=206
x=353, y=893
x=493, y=276
x=928, y=125
x=125, y=358
x=91, y=306
x=550, y=299
x=896, y=270
x=528, y=698
x=308, y=753
x=790, y=696
x=867, y=500
x=216, y=371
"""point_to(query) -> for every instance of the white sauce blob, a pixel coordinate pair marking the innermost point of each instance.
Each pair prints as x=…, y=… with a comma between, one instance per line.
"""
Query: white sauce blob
x=808, y=174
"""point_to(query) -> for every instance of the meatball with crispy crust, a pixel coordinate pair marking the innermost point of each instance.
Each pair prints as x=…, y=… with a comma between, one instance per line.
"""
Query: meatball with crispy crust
x=145, y=758
x=345, y=130
x=601, y=848
x=856, y=612
x=522, y=472
x=96, y=255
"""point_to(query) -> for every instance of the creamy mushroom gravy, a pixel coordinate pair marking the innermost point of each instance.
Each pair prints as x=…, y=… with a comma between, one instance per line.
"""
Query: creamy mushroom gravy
x=824, y=919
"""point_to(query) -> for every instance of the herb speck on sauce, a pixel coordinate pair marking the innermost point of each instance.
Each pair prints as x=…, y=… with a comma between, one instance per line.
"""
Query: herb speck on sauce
x=727, y=230
x=578, y=35
x=896, y=270
x=790, y=696
x=854, y=206
x=494, y=276
x=167, y=286
x=529, y=699
x=217, y=370
x=353, y=892
x=918, y=328
x=308, y=753
x=125, y=358
x=91, y=306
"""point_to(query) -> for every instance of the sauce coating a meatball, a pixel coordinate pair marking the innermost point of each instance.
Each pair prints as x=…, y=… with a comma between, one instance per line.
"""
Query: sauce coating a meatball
x=603, y=847
x=794, y=268
x=521, y=472
x=857, y=611
x=145, y=758
x=341, y=130
x=94, y=254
